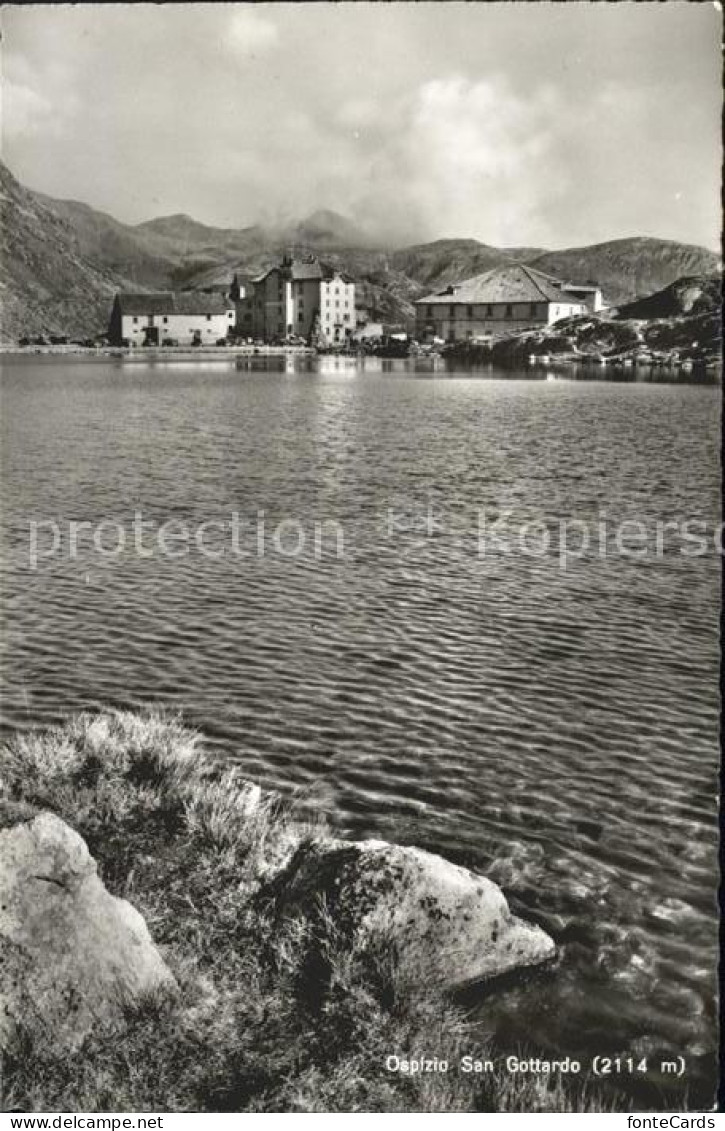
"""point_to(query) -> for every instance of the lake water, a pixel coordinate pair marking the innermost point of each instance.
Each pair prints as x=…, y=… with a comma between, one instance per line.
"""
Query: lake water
x=429, y=683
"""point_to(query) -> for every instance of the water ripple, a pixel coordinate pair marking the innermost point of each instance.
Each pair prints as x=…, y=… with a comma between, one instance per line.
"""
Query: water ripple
x=557, y=729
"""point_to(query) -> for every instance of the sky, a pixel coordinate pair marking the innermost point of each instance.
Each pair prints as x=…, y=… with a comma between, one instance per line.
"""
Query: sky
x=517, y=124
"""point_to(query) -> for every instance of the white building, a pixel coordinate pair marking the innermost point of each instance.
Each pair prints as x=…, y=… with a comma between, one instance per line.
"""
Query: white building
x=589, y=293
x=301, y=298
x=498, y=302
x=166, y=318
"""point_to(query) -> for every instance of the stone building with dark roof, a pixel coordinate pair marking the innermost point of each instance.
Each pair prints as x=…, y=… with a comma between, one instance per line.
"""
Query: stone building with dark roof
x=168, y=318
x=509, y=298
x=299, y=297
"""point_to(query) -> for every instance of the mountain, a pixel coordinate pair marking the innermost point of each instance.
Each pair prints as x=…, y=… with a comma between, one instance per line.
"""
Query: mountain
x=156, y=254
x=182, y=231
x=628, y=268
x=139, y=257
x=434, y=265
x=623, y=268
x=47, y=284
x=61, y=261
x=523, y=254
x=691, y=295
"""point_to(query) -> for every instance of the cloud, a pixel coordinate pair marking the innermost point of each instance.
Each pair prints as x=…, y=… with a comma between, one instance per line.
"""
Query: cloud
x=248, y=32
x=358, y=113
x=461, y=159
x=25, y=111
x=535, y=124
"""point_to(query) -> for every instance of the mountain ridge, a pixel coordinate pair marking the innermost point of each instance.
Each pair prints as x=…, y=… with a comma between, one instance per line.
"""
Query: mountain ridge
x=62, y=260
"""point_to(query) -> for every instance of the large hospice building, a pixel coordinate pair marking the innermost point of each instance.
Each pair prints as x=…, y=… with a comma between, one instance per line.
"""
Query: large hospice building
x=300, y=297
x=499, y=301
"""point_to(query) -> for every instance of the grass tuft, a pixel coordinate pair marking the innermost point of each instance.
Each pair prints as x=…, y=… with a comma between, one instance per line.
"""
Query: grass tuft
x=271, y=1017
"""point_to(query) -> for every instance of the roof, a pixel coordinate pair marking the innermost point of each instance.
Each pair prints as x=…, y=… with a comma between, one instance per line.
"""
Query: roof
x=196, y=302
x=301, y=269
x=243, y=279
x=167, y=302
x=516, y=283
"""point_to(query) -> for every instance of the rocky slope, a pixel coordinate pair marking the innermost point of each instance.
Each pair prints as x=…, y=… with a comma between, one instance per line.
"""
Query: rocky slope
x=434, y=265
x=157, y=254
x=694, y=340
x=628, y=268
x=62, y=260
x=47, y=283
x=693, y=294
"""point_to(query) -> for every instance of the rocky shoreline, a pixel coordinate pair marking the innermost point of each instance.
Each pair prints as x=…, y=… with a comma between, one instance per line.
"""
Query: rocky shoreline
x=149, y=891
x=678, y=330
x=155, y=353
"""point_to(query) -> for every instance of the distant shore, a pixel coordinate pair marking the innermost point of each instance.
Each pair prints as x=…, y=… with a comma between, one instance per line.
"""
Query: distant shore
x=151, y=353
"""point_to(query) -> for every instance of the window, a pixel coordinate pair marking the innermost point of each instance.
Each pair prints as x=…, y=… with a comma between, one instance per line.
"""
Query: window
x=135, y=319
x=208, y=317
x=469, y=311
x=300, y=317
x=489, y=310
x=509, y=310
x=165, y=319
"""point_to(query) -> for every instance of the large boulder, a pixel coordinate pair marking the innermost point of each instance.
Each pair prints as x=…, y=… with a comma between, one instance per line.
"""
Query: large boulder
x=449, y=927
x=72, y=956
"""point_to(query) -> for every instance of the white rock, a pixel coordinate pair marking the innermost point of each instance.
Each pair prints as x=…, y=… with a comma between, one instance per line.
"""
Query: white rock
x=72, y=956
x=448, y=925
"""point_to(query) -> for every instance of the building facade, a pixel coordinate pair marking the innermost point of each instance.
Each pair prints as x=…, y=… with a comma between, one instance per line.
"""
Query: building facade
x=185, y=318
x=589, y=293
x=299, y=298
x=500, y=301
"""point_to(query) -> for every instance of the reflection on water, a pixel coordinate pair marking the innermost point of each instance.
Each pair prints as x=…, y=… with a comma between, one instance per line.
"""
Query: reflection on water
x=556, y=729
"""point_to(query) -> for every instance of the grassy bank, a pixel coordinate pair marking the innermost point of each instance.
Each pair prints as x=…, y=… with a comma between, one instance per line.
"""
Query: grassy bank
x=271, y=1017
